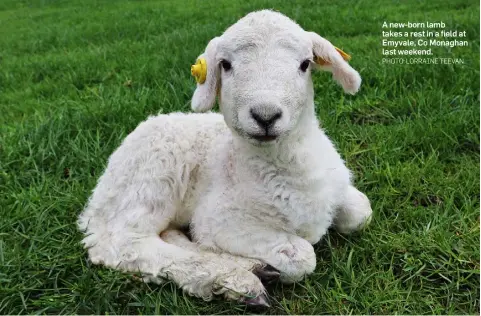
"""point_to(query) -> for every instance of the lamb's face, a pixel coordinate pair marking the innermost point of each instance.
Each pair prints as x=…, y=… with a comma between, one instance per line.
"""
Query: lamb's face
x=265, y=79
x=260, y=70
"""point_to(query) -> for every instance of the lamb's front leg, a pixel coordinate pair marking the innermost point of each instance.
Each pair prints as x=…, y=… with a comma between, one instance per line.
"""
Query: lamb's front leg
x=261, y=269
x=354, y=213
x=293, y=256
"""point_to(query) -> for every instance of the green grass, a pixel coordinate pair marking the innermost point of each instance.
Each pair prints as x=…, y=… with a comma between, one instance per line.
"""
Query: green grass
x=77, y=76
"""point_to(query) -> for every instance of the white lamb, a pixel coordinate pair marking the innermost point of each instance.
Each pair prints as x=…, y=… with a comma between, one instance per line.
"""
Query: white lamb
x=257, y=185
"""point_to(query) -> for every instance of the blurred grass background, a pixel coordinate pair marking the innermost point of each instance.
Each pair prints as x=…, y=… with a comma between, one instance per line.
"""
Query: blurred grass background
x=77, y=76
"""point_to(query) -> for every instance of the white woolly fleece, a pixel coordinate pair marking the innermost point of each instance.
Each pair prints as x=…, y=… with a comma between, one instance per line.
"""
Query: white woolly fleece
x=249, y=202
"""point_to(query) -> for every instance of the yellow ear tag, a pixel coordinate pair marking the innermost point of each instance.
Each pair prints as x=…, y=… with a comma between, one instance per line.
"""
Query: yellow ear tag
x=323, y=62
x=199, y=70
x=344, y=55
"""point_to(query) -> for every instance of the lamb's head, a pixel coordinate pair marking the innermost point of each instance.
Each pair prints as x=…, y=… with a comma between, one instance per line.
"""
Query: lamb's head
x=260, y=69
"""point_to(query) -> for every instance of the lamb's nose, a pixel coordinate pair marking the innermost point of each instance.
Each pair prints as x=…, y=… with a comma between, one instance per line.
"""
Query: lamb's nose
x=265, y=118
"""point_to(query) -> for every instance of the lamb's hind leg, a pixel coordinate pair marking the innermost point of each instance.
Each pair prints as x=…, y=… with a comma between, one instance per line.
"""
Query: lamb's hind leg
x=355, y=212
x=265, y=272
x=146, y=253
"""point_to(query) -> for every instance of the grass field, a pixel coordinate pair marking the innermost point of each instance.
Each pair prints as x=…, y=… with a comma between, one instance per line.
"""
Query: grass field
x=77, y=76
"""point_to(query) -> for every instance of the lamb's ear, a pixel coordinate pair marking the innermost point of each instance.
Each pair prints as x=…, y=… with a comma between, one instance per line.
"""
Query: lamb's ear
x=332, y=59
x=206, y=73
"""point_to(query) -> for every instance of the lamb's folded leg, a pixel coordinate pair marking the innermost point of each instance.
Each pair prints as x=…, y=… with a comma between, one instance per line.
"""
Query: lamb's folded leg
x=265, y=272
x=292, y=255
x=355, y=213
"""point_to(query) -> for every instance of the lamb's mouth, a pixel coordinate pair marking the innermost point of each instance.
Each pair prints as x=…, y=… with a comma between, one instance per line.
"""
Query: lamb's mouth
x=264, y=138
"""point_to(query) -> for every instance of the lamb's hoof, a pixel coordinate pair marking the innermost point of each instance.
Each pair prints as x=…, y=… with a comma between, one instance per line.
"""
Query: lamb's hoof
x=267, y=274
x=260, y=301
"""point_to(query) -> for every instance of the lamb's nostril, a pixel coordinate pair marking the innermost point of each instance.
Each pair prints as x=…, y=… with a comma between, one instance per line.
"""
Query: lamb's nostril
x=265, y=119
x=276, y=116
x=258, y=118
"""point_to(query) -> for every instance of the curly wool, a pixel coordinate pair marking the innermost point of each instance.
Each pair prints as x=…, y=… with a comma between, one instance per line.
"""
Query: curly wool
x=248, y=203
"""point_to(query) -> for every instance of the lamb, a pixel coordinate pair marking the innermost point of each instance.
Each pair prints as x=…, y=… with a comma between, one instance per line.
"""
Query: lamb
x=257, y=185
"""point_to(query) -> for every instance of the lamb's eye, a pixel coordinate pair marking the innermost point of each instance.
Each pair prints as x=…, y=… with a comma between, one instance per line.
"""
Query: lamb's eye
x=304, y=65
x=226, y=65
